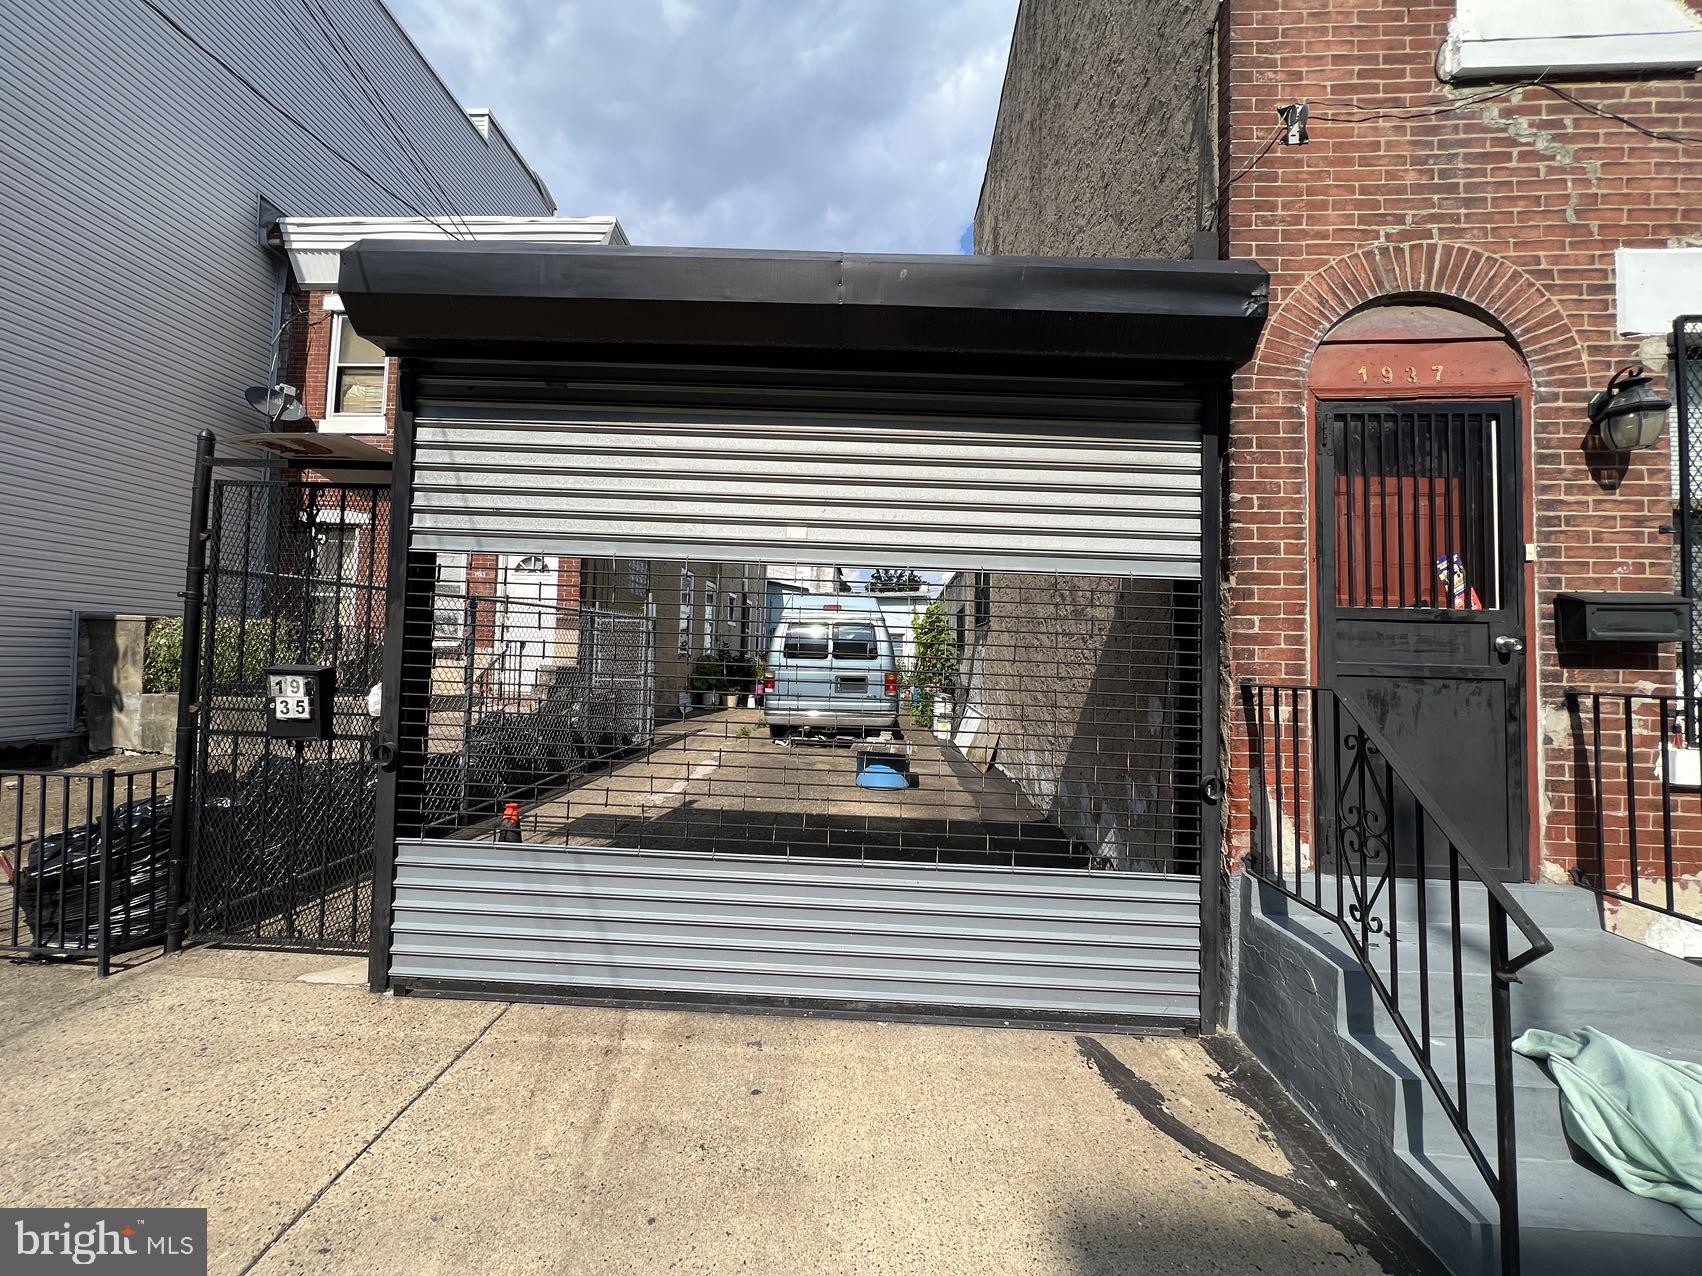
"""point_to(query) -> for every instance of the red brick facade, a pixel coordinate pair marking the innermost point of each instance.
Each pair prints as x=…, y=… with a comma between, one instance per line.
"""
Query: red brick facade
x=1507, y=202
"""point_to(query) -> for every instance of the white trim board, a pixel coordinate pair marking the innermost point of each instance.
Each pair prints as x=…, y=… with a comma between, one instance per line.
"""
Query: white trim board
x=1654, y=286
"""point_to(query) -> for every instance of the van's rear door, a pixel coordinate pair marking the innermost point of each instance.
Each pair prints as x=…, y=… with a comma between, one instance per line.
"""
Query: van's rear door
x=804, y=680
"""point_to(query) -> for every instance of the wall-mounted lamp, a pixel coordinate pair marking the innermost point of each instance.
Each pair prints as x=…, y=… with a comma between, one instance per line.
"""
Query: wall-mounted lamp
x=1628, y=415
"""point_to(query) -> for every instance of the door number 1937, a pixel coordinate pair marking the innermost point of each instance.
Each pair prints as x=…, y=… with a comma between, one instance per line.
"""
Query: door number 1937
x=1411, y=374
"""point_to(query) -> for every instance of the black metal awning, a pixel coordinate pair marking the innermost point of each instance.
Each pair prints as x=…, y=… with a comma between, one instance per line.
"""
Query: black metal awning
x=456, y=297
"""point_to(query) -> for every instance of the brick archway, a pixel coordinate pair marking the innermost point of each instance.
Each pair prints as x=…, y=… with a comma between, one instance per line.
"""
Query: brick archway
x=1488, y=284
x=1268, y=585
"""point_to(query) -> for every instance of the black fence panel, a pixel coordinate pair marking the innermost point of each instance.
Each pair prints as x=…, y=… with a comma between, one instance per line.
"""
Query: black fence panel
x=282, y=843
x=84, y=861
x=1686, y=384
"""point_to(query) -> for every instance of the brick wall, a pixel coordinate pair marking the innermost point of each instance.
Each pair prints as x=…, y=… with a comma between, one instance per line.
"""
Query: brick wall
x=1512, y=204
x=1507, y=202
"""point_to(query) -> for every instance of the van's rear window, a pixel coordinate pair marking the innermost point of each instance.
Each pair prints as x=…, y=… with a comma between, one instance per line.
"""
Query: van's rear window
x=805, y=642
x=854, y=642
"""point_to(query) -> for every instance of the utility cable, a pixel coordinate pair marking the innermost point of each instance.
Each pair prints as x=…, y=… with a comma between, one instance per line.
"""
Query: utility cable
x=266, y=100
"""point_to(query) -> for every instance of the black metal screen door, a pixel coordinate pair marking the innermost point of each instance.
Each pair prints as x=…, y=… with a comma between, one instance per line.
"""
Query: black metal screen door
x=1421, y=600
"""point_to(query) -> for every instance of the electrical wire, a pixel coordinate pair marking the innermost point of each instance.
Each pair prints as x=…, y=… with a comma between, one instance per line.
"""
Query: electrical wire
x=260, y=94
x=363, y=80
x=1250, y=164
x=1659, y=135
x=1363, y=114
x=1248, y=167
x=357, y=106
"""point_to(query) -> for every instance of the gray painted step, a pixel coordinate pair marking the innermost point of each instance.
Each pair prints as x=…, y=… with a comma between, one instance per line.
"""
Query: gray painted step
x=1575, y=1218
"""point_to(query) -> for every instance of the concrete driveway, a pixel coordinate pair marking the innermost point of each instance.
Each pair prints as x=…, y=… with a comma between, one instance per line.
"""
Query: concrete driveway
x=717, y=782
x=331, y=1131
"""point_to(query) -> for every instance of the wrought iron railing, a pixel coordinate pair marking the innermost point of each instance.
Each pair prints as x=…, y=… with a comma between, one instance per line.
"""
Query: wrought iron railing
x=1639, y=810
x=85, y=861
x=1343, y=830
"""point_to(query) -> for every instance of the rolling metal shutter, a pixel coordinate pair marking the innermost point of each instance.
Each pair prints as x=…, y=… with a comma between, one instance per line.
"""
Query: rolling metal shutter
x=920, y=471
x=923, y=472
x=1090, y=946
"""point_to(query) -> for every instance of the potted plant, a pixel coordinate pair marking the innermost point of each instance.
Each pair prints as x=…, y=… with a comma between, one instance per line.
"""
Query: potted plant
x=707, y=676
x=737, y=674
x=934, y=675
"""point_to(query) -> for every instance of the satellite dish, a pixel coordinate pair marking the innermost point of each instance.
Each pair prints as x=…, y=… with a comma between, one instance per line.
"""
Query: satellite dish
x=275, y=403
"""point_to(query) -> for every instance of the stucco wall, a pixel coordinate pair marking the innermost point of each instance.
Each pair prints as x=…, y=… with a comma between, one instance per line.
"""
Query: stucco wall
x=1107, y=112
x=1097, y=145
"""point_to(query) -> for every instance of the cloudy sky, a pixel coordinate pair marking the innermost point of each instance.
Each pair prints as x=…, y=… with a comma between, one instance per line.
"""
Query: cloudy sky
x=849, y=124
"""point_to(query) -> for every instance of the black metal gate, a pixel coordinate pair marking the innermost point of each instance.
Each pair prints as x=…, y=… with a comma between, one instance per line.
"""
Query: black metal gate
x=281, y=839
x=1686, y=383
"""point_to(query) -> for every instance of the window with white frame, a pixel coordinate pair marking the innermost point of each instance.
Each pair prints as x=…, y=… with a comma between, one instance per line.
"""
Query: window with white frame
x=709, y=618
x=355, y=381
x=688, y=586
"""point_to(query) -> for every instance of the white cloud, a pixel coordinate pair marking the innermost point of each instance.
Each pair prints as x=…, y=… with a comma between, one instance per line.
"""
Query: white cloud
x=847, y=124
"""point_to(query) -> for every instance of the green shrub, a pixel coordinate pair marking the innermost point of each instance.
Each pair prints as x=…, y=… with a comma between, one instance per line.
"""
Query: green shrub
x=241, y=652
x=935, y=670
x=724, y=673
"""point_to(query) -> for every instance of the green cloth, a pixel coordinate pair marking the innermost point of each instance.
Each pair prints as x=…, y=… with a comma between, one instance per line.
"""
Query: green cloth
x=1638, y=1114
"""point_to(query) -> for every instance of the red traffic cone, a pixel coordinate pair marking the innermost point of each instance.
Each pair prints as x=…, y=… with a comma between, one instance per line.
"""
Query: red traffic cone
x=510, y=830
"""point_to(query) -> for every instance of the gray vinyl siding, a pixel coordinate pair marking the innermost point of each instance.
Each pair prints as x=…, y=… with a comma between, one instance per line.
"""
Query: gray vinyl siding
x=1073, y=944
x=136, y=303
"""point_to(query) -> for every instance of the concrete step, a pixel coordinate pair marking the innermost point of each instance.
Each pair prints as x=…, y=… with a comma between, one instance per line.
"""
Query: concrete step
x=1357, y=1077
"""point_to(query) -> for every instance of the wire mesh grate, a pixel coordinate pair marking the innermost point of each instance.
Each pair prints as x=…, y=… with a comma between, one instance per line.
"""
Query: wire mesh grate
x=1687, y=475
x=991, y=718
x=282, y=847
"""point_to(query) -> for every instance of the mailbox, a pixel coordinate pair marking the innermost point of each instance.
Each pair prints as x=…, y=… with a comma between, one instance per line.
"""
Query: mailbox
x=299, y=702
x=1582, y=619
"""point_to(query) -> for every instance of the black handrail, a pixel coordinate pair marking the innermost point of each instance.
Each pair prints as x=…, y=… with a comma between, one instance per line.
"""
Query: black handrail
x=1627, y=744
x=1330, y=788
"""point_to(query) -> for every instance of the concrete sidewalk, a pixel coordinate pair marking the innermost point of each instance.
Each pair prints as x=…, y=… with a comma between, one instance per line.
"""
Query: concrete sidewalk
x=331, y=1131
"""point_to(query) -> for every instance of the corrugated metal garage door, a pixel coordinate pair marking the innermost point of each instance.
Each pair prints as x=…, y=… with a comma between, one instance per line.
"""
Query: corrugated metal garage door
x=918, y=471
x=925, y=472
x=1099, y=945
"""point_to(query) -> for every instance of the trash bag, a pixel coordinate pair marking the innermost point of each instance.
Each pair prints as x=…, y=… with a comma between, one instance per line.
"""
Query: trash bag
x=58, y=880
x=521, y=756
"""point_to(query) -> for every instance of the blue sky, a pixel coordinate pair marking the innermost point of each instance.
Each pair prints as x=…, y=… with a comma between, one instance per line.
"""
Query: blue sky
x=860, y=125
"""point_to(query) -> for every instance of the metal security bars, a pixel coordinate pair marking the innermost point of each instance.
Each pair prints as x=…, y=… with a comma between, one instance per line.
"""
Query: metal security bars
x=86, y=861
x=1686, y=383
x=1343, y=831
x=281, y=842
x=1018, y=720
x=531, y=685
x=1414, y=506
x=1639, y=823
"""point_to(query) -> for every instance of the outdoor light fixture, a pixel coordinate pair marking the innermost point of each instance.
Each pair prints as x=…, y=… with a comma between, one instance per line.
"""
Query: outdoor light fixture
x=1628, y=414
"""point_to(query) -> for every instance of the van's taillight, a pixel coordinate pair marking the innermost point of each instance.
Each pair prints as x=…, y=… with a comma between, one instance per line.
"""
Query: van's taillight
x=892, y=684
x=768, y=681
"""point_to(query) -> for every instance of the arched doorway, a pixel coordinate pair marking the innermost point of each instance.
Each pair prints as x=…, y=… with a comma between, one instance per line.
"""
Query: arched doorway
x=1419, y=539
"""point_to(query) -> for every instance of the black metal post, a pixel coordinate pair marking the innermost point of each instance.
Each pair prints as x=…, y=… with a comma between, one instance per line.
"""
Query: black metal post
x=188, y=688
x=1506, y=1143
x=1681, y=523
x=389, y=751
x=103, y=901
x=1215, y=881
